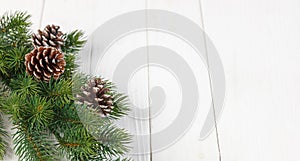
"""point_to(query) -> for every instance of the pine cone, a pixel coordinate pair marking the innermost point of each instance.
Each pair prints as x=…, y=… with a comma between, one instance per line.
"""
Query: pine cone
x=96, y=95
x=44, y=62
x=50, y=37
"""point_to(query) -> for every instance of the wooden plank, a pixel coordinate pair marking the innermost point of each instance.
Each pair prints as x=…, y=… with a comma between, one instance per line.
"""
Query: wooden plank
x=33, y=7
x=259, y=45
x=88, y=16
x=169, y=79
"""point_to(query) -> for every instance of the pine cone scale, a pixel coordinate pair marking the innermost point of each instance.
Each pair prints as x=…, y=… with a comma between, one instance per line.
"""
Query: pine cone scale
x=37, y=69
x=29, y=68
x=49, y=37
x=33, y=60
x=96, y=95
x=37, y=75
x=43, y=63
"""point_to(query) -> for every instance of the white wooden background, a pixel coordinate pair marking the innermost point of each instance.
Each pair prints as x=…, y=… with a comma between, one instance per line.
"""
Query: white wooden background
x=258, y=42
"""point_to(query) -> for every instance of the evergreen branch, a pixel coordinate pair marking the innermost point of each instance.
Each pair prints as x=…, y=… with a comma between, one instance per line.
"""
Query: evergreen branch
x=73, y=42
x=74, y=140
x=12, y=106
x=120, y=102
x=4, y=92
x=32, y=142
x=3, y=138
x=34, y=145
x=15, y=59
x=71, y=66
x=113, y=141
x=120, y=106
x=37, y=108
x=124, y=159
x=38, y=113
x=117, y=159
x=77, y=145
x=14, y=42
x=25, y=85
x=88, y=136
x=14, y=30
x=11, y=21
x=59, y=92
x=79, y=80
x=3, y=65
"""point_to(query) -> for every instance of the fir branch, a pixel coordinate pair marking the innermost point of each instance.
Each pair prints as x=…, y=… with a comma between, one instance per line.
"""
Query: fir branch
x=38, y=113
x=59, y=92
x=12, y=106
x=77, y=145
x=113, y=140
x=31, y=118
x=4, y=92
x=73, y=41
x=3, y=65
x=70, y=67
x=121, y=106
x=79, y=80
x=3, y=138
x=15, y=59
x=123, y=159
x=34, y=145
x=37, y=108
x=73, y=138
x=14, y=42
x=14, y=30
x=85, y=135
x=117, y=159
x=120, y=102
x=25, y=85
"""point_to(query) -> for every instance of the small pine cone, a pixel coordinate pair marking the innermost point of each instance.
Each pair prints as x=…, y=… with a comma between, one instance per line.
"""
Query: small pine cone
x=96, y=95
x=49, y=37
x=44, y=62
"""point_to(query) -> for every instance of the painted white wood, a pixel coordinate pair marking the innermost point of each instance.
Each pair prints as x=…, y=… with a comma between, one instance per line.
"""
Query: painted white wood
x=89, y=15
x=258, y=44
x=33, y=7
x=258, y=41
x=188, y=147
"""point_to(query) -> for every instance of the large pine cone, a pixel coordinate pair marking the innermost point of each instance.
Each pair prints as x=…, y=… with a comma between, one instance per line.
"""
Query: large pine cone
x=49, y=37
x=44, y=62
x=96, y=95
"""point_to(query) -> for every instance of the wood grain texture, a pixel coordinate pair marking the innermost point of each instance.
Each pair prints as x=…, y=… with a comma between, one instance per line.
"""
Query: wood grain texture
x=188, y=146
x=258, y=42
x=33, y=7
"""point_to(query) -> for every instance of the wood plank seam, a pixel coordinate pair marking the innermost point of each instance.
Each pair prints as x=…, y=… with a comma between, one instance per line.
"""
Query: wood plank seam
x=210, y=80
